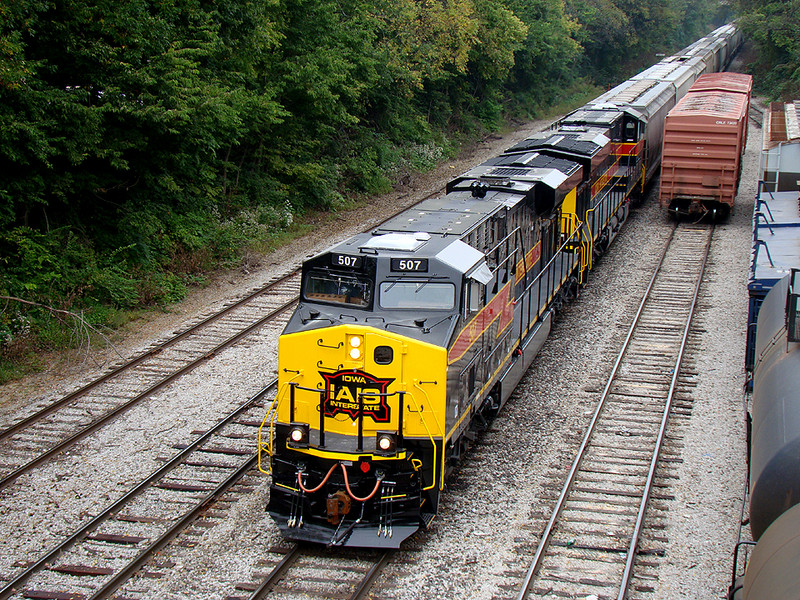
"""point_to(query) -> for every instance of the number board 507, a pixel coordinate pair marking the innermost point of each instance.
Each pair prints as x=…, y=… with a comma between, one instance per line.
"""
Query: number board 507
x=345, y=260
x=416, y=265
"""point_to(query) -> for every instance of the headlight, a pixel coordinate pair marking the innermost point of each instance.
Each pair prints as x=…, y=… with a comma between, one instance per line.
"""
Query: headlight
x=386, y=443
x=355, y=343
x=298, y=435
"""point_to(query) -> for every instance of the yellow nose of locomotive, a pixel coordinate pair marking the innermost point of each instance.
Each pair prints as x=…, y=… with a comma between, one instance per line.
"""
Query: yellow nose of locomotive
x=349, y=386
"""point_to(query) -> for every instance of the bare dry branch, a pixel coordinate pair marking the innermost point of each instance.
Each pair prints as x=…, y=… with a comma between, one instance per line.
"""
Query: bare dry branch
x=81, y=330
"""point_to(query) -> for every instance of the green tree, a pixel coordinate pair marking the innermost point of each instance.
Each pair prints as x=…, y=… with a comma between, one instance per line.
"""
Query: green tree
x=622, y=36
x=547, y=61
x=772, y=27
x=108, y=108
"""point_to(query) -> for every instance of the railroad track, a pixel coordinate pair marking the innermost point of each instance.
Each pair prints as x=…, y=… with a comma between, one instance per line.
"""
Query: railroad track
x=591, y=542
x=300, y=571
x=34, y=439
x=98, y=558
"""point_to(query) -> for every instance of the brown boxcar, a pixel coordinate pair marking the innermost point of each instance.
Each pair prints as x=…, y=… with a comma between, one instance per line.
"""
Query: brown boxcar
x=726, y=82
x=723, y=82
x=704, y=137
x=780, y=153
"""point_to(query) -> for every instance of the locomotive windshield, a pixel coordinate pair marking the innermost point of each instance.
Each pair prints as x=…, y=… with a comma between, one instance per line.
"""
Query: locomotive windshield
x=325, y=286
x=418, y=295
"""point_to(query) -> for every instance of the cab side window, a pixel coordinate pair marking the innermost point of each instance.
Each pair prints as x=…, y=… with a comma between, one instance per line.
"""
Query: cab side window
x=630, y=131
x=475, y=297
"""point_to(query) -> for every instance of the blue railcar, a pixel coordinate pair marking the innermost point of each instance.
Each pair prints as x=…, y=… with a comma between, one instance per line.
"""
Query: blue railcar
x=776, y=250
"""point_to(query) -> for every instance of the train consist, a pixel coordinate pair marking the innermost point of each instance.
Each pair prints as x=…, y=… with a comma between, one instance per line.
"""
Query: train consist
x=704, y=140
x=409, y=339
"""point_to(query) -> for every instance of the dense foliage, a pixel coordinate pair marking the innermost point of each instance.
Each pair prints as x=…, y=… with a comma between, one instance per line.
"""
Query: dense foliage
x=142, y=142
x=622, y=36
x=772, y=25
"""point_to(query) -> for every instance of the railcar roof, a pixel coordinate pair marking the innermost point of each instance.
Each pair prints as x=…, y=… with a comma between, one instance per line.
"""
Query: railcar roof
x=449, y=253
x=725, y=82
x=508, y=179
x=627, y=92
x=451, y=215
x=371, y=243
x=525, y=167
x=781, y=124
x=581, y=143
x=720, y=105
x=678, y=73
x=605, y=116
x=660, y=71
x=645, y=96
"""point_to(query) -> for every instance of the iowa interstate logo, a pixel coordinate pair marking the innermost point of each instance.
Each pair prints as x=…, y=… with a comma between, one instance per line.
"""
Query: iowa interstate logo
x=343, y=388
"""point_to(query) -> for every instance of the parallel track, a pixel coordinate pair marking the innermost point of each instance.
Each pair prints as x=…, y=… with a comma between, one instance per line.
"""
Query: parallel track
x=102, y=555
x=589, y=545
x=757, y=115
x=34, y=439
x=310, y=572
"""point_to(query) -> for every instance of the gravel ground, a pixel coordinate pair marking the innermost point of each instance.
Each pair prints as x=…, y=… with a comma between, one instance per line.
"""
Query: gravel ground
x=493, y=509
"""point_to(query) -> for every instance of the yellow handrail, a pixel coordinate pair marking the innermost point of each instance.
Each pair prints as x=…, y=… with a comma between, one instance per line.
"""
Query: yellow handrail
x=262, y=447
x=430, y=436
x=271, y=415
x=587, y=249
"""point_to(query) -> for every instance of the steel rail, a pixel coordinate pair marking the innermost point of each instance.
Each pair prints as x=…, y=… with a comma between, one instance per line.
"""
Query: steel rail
x=277, y=572
x=546, y=535
x=128, y=570
x=11, y=587
x=634, y=543
x=13, y=428
x=8, y=479
x=359, y=593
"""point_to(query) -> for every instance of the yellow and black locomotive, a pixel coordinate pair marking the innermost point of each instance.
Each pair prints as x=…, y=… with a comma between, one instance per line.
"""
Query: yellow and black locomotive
x=410, y=338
